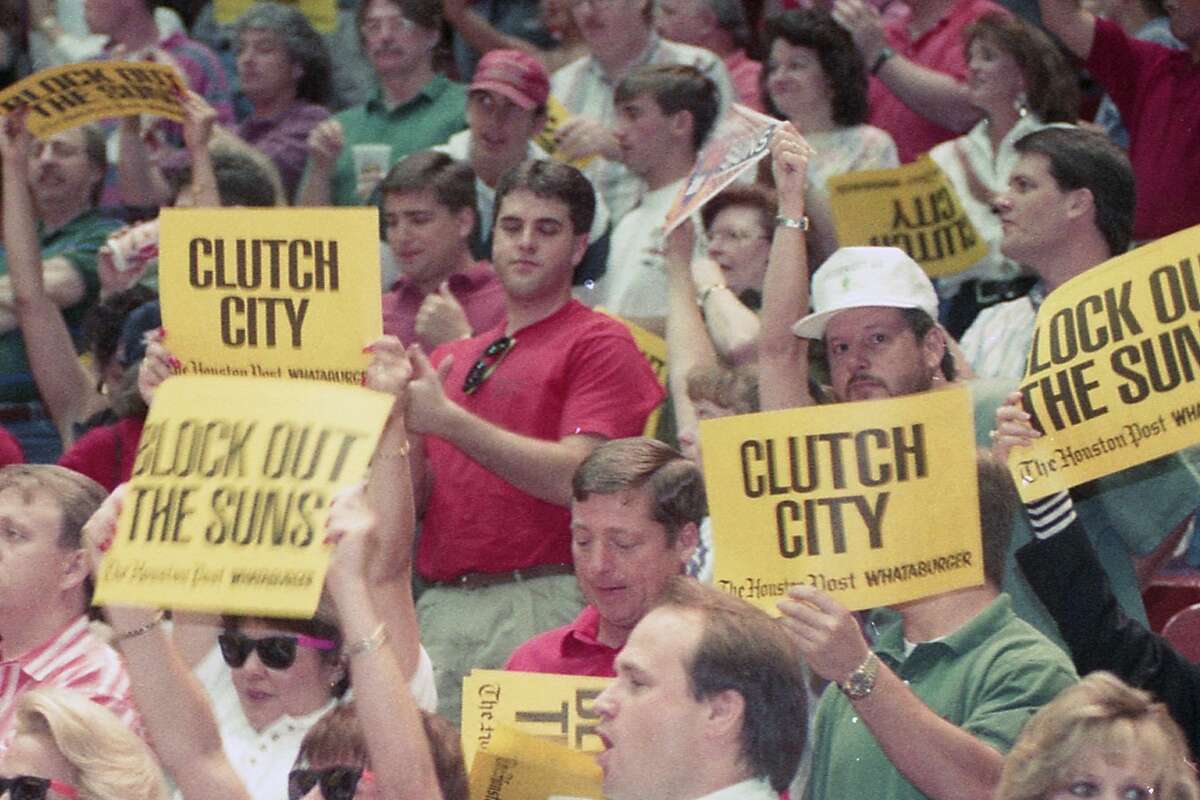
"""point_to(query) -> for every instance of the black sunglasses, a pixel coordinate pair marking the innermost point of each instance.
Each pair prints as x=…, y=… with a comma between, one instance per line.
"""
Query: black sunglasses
x=482, y=369
x=276, y=652
x=337, y=783
x=27, y=787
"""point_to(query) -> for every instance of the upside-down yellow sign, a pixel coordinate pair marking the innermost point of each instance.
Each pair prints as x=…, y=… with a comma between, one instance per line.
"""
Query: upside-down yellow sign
x=554, y=707
x=912, y=207
x=519, y=766
x=226, y=506
x=321, y=13
x=271, y=292
x=873, y=502
x=1113, y=374
x=63, y=97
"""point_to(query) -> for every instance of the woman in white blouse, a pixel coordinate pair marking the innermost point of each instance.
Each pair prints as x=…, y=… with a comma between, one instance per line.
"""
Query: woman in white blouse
x=1020, y=81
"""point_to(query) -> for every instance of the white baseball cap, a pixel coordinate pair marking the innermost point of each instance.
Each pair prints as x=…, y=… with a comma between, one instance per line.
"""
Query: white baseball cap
x=858, y=277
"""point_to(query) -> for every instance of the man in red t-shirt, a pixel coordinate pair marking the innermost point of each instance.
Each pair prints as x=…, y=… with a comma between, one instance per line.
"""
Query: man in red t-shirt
x=635, y=520
x=508, y=416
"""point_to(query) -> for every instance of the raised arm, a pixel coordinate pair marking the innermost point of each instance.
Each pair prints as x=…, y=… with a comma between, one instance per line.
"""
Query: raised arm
x=934, y=95
x=1067, y=20
x=325, y=144
x=688, y=345
x=538, y=467
x=942, y=760
x=139, y=179
x=65, y=387
x=480, y=34
x=173, y=706
x=782, y=356
x=391, y=724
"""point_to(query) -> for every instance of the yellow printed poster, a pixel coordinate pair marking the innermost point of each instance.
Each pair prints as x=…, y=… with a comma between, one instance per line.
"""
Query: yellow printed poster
x=519, y=766
x=654, y=349
x=557, y=116
x=554, y=707
x=873, y=502
x=321, y=13
x=271, y=292
x=63, y=97
x=1113, y=373
x=233, y=477
x=914, y=208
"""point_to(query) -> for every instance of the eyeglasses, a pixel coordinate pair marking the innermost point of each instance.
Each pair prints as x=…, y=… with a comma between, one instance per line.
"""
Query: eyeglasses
x=482, y=369
x=337, y=783
x=28, y=787
x=373, y=26
x=734, y=237
x=573, y=4
x=276, y=652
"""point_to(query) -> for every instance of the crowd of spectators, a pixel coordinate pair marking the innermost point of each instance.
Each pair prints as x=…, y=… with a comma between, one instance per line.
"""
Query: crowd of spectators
x=518, y=513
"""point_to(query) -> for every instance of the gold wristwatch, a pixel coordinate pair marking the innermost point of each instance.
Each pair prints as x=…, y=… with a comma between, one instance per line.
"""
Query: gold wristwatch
x=861, y=681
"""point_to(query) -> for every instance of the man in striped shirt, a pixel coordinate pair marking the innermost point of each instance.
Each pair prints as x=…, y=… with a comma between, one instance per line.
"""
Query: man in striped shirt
x=45, y=591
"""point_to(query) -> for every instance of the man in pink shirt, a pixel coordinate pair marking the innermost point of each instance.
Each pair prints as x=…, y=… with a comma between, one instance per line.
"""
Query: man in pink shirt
x=443, y=293
x=635, y=516
x=44, y=594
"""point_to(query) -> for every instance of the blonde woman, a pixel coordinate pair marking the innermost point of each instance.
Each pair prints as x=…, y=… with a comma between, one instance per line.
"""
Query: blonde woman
x=1102, y=739
x=66, y=746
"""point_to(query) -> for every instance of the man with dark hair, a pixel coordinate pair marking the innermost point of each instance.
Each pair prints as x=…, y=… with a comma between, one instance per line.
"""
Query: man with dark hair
x=620, y=37
x=957, y=672
x=1156, y=89
x=509, y=415
x=709, y=702
x=413, y=107
x=1069, y=207
x=51, y=188
x=442, y=293
x=719, y=26
x=45, y=592
x=664, y=115
x=636, y=509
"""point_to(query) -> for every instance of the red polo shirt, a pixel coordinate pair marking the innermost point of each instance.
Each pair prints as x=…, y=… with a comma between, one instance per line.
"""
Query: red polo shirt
x=570, y=650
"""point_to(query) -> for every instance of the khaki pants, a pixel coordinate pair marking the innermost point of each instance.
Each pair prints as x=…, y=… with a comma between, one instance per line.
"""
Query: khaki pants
x=465, y=629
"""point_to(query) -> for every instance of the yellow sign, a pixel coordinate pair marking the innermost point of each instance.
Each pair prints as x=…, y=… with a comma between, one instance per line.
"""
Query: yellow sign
x=838, y=497
x=654, y=349
x=913, y=207
x=557, y=116
x=518, y=766
x=554, y=707
x=64, y=97
x=226, y=507
x=1113, y=373
x=271, y=292
x=321, y=13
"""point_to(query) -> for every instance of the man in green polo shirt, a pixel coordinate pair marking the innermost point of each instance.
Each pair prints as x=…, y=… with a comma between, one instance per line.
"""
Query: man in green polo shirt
x=952, y=678
x=50, y=188
x=412, y=108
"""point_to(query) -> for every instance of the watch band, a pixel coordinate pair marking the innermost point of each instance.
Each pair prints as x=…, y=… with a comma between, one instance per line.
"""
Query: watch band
x=800, y=224
x=861, y=681
x=884, y=54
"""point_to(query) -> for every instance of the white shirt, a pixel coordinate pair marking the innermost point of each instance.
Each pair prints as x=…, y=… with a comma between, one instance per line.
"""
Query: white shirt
x=458, y=147
x=263, y=759
x=586, y=90
x=752, y=789
x=998, y=342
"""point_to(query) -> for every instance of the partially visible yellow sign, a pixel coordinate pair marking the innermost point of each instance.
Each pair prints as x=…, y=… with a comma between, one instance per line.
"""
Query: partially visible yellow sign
x=547, y=139
x=554, y=707
x=271, y=292
x=519, y=766
x=63, y=97
x=227, y=503
x=654, y=349
x=839, y=497
x=913, y=207
x=1113, y=374
x=321, y=13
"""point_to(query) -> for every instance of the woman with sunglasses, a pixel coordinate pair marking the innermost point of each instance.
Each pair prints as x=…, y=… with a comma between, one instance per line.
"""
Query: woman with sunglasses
x=68, y=747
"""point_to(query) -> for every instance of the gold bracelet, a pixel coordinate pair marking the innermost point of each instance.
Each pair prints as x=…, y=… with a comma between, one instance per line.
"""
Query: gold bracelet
x=372, y=642
x=139, y=630
x=799, y=224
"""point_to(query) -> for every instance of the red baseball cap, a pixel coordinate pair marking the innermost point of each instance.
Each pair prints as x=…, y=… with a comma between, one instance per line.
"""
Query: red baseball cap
x=517, y=75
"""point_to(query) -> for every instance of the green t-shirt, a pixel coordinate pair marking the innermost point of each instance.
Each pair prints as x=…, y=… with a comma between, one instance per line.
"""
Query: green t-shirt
x=988, y=678
x=430, y=118
x=77, y=242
